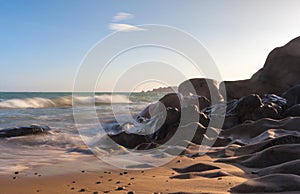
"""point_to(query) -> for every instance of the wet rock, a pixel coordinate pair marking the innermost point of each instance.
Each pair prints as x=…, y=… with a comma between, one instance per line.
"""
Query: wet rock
x=246, y=109
x=22, y=131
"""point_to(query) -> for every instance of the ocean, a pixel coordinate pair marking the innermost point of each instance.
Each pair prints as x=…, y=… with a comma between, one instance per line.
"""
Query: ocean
x=54, y=109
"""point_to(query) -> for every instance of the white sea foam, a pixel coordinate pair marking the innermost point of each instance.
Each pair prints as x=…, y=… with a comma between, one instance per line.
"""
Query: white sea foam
x=65, y=101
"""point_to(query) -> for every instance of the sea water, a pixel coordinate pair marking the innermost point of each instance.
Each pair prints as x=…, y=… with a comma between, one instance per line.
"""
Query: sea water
x=55, y=110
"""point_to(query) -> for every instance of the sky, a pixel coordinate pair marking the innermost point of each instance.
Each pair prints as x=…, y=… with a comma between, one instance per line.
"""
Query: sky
x=43, y=43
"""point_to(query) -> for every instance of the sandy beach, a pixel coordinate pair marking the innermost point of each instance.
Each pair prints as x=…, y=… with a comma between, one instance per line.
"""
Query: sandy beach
x=159, y=180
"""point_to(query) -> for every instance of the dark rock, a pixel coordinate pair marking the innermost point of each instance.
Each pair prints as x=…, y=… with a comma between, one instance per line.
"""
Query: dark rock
x=22, y=131
x=247, y=109
x=294, y=111
x=269, y=184
x=201, y=87
x=292, y=95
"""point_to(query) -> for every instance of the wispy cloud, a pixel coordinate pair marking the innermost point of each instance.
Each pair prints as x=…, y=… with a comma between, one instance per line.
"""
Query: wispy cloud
x=124, y=27
x=122, y=16
x=121, y=26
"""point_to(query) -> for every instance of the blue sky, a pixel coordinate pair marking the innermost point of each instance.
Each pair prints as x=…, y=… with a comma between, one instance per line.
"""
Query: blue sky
x=42, y=43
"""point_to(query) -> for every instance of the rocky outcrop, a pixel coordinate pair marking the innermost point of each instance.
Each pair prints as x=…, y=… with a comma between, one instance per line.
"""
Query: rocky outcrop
x=248, y=108
x=280, y=72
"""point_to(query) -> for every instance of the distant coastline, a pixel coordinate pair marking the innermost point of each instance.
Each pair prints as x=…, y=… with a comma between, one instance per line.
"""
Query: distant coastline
x=170, y=89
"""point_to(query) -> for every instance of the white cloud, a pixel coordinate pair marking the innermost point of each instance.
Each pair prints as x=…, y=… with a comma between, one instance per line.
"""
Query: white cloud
x=124, y=27
x=122, y=16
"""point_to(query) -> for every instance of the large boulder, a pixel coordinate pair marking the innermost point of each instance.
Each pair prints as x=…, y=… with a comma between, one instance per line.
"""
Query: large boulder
x=280, y=72
x=201, y=87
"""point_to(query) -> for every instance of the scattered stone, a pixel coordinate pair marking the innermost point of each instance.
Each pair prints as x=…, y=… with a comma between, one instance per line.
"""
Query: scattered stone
x=120, y=188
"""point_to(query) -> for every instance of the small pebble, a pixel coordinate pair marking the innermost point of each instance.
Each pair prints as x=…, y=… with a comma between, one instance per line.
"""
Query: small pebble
x=129, y=184
x=83, y=171
x=125, y=172
x=178, y=161
x=72, y=188
x=121, y=173
x=105, y=191
x=37, y=190
x=109, y=179
x=14, y=177
x=142, y=171
x=81, y=190
x=130, y=192
x=98, y=182
x=118, y=182
x=219, y=178
x=35, y=173
x=96, y=192
x=131, y=178
x=16, y=172
x=73, y=181
x=120, y=188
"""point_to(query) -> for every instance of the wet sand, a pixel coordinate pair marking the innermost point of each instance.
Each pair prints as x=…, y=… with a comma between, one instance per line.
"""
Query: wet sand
x=196, y=179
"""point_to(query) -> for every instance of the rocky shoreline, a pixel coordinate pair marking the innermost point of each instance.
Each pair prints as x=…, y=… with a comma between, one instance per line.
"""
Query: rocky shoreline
x=259, y=130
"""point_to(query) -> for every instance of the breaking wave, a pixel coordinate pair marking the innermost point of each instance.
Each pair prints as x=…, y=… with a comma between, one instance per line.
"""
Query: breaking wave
x=66, y=101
